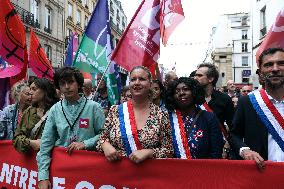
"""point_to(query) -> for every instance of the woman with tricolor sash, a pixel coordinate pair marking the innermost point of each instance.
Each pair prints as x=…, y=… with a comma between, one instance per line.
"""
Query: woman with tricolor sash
x=137, y=128
x=196, y=133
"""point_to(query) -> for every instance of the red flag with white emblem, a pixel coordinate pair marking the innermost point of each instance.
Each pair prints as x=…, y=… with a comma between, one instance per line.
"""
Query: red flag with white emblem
x=275, y=36
x=140, y=43
x=171, y=16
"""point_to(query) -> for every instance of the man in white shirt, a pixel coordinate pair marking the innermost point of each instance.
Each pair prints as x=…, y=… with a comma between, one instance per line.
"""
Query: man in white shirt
x=258, y=125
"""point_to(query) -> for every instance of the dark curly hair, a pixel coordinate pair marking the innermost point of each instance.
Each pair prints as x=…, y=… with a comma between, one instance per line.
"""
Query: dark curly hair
x=66, y=74
x=50, y=96
x=198, y=93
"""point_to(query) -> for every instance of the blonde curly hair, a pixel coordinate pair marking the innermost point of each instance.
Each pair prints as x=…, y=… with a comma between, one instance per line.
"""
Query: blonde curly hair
x=17, y=90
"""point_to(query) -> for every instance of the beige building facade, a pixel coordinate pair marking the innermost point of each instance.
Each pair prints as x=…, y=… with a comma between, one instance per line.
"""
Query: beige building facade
x=78, y=14
x=222, y=58
x=46, y=18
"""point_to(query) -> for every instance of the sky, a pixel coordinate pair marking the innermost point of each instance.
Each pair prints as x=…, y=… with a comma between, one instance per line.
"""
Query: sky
x=188, y=44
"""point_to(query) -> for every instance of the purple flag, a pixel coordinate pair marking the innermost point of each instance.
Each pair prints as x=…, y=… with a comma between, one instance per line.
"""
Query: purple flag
x=71, y=50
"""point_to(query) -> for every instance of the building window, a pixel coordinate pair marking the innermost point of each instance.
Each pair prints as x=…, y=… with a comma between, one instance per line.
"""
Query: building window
x=47, y=20
x=34, y=10
x=69, y=32
x=86, y=21
x=111, y=8
x=263, y=22
x=86, y=3
x=123, y=22
x=244, y=34
x=244, y=47
x=244, y=61
x=244, y=21
x=117, y=16
x=70, y=10
x=48, y=51
x=78, y=17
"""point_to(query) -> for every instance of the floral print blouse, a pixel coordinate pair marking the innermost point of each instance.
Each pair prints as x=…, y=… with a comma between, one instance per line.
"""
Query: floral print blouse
x=155, y=135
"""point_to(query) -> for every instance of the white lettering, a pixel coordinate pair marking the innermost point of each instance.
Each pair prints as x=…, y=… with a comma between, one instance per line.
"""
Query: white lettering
x=139, y=44
x=17, y=169
x=84, y=184
x=32, y=180
x=23, y=178
x=107, y=187
x=8, y=172
x=57, y=182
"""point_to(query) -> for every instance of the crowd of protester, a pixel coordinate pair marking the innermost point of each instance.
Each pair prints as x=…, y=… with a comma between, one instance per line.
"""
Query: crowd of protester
x=186, y=117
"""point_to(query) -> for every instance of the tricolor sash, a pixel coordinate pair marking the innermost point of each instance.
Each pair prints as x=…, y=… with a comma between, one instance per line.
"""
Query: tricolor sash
x=180, y=142
x=205, y=107
x=269, y=115
x=128, y=128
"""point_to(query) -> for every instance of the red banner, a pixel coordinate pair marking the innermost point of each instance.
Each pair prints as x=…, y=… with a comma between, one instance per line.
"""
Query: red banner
x=39, y=62
x=275, y=36
x=140, y=43
x=90, y=170
x=171, y=15
x=12, y=40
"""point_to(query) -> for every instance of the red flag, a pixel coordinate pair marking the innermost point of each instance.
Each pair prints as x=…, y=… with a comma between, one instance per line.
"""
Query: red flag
x=39, y=62
x=275, y=36
x=12, y=40
x=23, y=73
x=171, y=15
x=140, y=43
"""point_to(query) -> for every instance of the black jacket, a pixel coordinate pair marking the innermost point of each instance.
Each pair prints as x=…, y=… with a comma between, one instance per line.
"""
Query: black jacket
x=222, y=106
x=248, y=130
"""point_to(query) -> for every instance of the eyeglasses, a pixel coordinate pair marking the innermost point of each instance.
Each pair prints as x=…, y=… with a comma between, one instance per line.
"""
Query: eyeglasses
x=246, y=91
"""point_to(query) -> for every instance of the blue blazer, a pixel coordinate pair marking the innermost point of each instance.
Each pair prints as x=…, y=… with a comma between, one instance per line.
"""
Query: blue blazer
x=210, y=141
x=210, y=145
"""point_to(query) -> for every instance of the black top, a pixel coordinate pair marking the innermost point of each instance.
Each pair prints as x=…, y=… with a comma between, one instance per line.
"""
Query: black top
x=248, y=130
x=222, y=106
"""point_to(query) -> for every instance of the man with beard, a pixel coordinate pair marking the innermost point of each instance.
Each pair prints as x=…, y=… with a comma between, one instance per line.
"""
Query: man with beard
x=216, y=101
x=258, y=124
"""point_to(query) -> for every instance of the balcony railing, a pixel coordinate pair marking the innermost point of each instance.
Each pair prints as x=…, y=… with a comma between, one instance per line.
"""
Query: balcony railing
x=70, y=18
x=27, y=17
x=111, y=10
x=48, y=30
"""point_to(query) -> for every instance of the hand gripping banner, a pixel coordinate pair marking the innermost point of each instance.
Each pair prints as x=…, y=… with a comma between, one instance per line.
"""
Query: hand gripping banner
x=89, y=170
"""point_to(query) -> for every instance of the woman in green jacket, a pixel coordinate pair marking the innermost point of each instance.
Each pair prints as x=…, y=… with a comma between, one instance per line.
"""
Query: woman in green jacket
x=29, y=130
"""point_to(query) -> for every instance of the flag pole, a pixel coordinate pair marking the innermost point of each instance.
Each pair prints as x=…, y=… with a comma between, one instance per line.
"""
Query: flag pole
x=104, y=73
